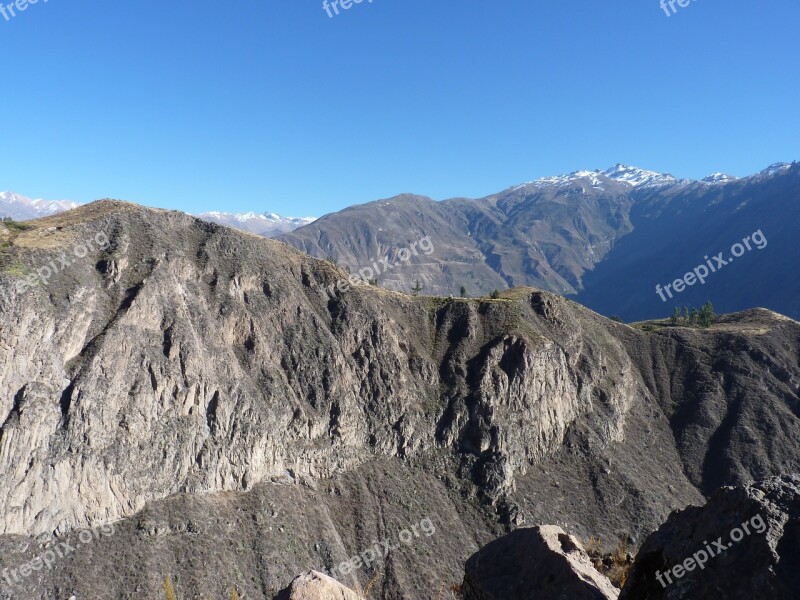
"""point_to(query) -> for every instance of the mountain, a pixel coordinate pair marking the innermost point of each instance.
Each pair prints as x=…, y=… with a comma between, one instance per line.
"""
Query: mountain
x=223, y=415
x=608, y=238
x=709, y=228
x=21, y=208
x=616, y=240
x=266, y=224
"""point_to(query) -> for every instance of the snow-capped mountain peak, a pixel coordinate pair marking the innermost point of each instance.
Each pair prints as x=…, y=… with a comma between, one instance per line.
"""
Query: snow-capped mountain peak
x=268, y=224
x=715, y=178
x=638, y=177
x=633, y=176
x=775, y=168
x=561, y=180
x=22, y=208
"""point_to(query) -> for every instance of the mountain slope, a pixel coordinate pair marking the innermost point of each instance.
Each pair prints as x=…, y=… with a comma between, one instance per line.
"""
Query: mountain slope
x=607, y=237
x=239, y=423
x=546, y=233
x=679, y=229
x=546, y=237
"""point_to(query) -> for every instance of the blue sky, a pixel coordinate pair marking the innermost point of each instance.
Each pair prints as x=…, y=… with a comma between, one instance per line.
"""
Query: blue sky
x=272, y=105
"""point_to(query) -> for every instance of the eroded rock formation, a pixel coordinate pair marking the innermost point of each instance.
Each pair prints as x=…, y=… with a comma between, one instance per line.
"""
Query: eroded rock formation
x=540, y=562
x=187, y=380
x=743, y=544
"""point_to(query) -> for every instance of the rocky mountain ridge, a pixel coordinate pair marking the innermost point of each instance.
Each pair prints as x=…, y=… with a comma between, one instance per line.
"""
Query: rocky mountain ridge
x=605, y=238
x=192, y=384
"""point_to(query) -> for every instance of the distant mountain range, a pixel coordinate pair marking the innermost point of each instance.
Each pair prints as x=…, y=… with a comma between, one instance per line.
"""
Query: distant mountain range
x=606, y=238
x=22, y=208
x=266, y=224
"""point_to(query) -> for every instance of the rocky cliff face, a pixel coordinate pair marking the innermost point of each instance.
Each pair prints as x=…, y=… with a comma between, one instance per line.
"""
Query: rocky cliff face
x=745, y=543
x=219, y=361
x=185, y=358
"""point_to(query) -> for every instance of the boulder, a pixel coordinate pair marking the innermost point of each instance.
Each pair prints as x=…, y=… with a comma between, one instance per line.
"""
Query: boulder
x=539, y=562
x=743, y=544
x=317, y=586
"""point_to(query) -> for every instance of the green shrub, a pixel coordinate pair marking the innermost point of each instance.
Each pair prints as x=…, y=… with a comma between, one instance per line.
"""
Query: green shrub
x=14, y=225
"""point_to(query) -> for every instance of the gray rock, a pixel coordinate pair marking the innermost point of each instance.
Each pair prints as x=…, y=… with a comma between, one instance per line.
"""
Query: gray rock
x=317, y=586
x=540, y=562
x=758, y=526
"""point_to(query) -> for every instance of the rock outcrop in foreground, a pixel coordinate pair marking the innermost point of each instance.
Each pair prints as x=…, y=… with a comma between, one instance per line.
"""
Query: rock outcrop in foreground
x=317, y=586
x=744, y=544
x=540, y=562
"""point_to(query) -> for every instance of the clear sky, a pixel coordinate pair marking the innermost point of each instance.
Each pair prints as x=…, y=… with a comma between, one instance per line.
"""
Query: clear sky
x=271, y=105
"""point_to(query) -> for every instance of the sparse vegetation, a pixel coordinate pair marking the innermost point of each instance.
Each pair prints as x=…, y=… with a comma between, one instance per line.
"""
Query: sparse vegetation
x=707, y=315
x=463, y=292
x=370, y=584
x=456, y=590
x=495, y=294
x=170, y=591
x=13, y=225
x=692, y=317
x=15, y=269
x=418, y=287
x=616, y=318
x=594, y=548
x=621, y=563
x=615, y=565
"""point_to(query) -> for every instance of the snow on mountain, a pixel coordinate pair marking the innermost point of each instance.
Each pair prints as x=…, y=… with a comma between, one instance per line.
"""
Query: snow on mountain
x=638, y=177
x=266, y=224
x=716, y=178
x=773, y=169
x=633, y=176
x=562, y=180
x=22, y=208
